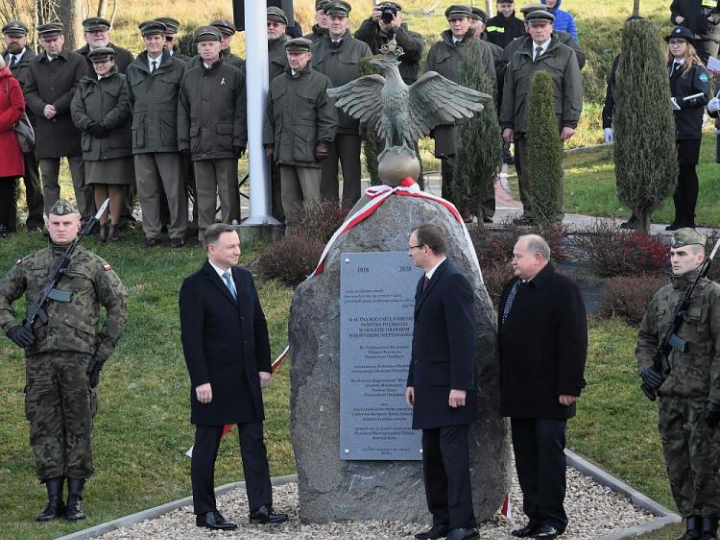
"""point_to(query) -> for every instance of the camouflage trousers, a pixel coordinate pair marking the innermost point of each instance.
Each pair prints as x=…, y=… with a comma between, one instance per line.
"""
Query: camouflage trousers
x=60, y=406
x=692, y=455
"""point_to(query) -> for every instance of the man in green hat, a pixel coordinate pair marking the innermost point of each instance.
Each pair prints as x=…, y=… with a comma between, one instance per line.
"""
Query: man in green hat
x=64, y=355
x=689, y=395
x=96, y=32
x=172, y=27
x=319, y=29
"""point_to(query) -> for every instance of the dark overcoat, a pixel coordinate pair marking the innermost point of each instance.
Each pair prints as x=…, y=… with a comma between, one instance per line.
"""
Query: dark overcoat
x=54, y=83
x=123, y=57
x=277, y=57
x=543, y=346
x=443, y=349
x=20, y=72
x=226, y=344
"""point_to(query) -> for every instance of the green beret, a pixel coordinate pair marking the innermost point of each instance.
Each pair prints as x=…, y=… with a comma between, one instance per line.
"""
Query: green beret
x=526, y=10
x=320, y=5
x=101, y=54
x=338, y=7
x=276, y=14
x=457, y=11
x=298, y=45
x=687, y=237
x=208, y=33
x=479, y=14
x=15, y=27
x=62, y=207
x=225, y=26
x=50, y=29
x=539, y=15
x=173, y=25
x=95, y=23
x=152, y=28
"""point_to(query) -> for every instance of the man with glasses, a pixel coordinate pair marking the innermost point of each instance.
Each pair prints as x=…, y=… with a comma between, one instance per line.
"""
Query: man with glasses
x=172, y=27
x=97, y=34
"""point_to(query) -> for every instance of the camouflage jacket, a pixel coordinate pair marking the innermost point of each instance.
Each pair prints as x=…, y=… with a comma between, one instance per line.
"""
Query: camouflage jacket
x=73, y=326
x=695, y=373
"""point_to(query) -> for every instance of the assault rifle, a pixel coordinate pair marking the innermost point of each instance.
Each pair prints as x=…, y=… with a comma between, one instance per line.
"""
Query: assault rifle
x=58, y=270
x=671, y=340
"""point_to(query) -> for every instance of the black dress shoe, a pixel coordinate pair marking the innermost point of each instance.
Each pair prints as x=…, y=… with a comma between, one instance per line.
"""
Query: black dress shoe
x=436, y=531
x=214, y=520
x=266, y=514
x=525, y=531
x=545, y=532
x=150, y=243
x=462, y=534
x=176, y=243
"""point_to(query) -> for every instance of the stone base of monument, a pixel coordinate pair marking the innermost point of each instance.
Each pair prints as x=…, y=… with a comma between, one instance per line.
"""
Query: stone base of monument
x=260, y=233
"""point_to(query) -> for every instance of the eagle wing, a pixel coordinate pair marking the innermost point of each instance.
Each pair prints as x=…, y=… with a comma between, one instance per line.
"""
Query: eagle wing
x=435, y=100
x=362, y=100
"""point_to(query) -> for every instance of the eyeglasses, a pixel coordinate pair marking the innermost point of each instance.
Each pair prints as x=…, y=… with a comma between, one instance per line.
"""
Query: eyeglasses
x=169, y=38
x=410, y=248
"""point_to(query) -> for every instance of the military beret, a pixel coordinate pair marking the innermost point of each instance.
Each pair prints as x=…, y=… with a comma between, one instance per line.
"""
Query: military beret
x=101, y=54
x=50, y=29
x=15, y=27
x=276, y=14
x=151, y=28
x=540, y=15
x=479, y=14
x=320, y=5
x=62, y=207
x=338, y=7
x=458, y=11
x=680, y=32
x=686, y=237
x=173, y=25
x=95, y=23
x=298, y=45
x=526, y=10
x=207, y=33
x=225, y=26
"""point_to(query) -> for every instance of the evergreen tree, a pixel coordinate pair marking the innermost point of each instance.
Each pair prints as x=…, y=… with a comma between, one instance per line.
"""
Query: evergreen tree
x=479, y=143
x=544, y=150
x=646, y=166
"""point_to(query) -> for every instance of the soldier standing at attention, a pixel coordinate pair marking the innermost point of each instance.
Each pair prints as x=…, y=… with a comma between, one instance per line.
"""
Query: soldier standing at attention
x=319, y=29
x=64, y=356
x=690, y=394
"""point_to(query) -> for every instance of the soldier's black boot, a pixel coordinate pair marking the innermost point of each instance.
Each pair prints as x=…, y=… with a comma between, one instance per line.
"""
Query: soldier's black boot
x=693, y=528
x=55, y=507
x=709, y=528
x=74, y=503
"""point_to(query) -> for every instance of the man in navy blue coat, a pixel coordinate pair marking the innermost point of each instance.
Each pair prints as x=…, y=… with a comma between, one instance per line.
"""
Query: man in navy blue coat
x=227, y=351
x=441, y=384
x=542, y=341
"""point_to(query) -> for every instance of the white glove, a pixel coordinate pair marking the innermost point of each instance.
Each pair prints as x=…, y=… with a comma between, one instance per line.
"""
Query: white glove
x=714, y=105
x=608, y=134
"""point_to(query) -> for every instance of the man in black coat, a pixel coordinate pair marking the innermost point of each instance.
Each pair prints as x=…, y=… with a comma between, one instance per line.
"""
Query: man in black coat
x=543, y=344
x=227, y=350
x=441, y=384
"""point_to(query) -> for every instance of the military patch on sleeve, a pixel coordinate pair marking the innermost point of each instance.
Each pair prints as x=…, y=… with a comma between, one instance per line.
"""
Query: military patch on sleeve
x=704, y=77
x=107, y=267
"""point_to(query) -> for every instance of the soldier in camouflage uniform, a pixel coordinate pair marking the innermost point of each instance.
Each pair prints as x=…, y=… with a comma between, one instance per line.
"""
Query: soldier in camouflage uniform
x=690, y=395
x=64, y=356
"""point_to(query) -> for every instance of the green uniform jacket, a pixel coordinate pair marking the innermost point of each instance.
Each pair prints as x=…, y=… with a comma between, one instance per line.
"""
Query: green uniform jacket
x=103, y=101
x=154, y=102
x=695, y=373
x=316, y=33
x=411, y=43
x=561, y=63
x=228, y=57
x=212, y=114
x=277, y=57
x=123, y=57
x=74, y=326
x=341, y=64
x=299, y=114
x=562, y=37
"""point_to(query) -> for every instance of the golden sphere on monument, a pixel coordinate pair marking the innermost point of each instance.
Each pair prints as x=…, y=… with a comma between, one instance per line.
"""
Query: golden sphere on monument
x=397, y=163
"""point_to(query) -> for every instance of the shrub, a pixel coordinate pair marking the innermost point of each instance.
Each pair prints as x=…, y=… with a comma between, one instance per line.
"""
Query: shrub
x=321, y=219
x=291, y=259
x=616, y=252
x=627, y=297
x=495, y=275
x=496, y=245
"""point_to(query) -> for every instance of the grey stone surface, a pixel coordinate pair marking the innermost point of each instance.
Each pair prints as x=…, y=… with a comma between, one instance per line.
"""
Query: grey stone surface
x=334, y=490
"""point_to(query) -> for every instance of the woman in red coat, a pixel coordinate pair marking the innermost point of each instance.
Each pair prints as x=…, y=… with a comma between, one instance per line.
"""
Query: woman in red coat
x=12, y=105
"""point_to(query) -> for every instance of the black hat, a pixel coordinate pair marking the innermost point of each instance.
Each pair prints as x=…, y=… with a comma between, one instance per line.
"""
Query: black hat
x=15, y=27
x=320, y=5
x=173, y=25
x=208, y=33
x=458, y=11
x=393, y=4
x=298, y=45
x=526, y=10
x=680, y=32
x=338, y=7
x=276, y=14
x=540, y=15
x=50, y=29
x=225, y=26
x=479, y=14
x=152, y=27
x=101, y=54
x=505, y=1
x=95, y=23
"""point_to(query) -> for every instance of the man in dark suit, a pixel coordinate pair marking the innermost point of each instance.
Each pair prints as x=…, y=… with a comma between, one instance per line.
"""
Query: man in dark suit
x=543, y=345
x=227, y=351
x=441, y=384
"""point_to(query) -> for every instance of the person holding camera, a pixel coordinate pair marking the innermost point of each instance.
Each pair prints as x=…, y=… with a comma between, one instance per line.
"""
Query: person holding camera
x=387, y=23
x=702, y=18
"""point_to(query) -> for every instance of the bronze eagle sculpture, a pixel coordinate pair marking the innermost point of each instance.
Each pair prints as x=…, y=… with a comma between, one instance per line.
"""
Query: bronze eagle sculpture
x=402, y=114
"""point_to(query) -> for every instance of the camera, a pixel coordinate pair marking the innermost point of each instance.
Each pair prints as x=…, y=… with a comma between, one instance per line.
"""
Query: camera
x=389, y=11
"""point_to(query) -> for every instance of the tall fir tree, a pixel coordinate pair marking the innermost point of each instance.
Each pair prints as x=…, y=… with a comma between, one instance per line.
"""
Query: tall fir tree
x=646, y=166
x=545, y=150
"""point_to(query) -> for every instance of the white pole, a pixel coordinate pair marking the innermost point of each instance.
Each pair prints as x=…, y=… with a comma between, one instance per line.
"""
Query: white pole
x=257, y=75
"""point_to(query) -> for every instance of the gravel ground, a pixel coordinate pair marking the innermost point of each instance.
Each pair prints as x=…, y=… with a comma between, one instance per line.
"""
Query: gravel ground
x=594, y=511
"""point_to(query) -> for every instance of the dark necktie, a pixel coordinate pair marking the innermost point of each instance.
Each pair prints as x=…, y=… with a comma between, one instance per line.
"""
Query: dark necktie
x=13, y=60
x=154, y=66
x=538, y=52
x=426, y=282
x=510, y=300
